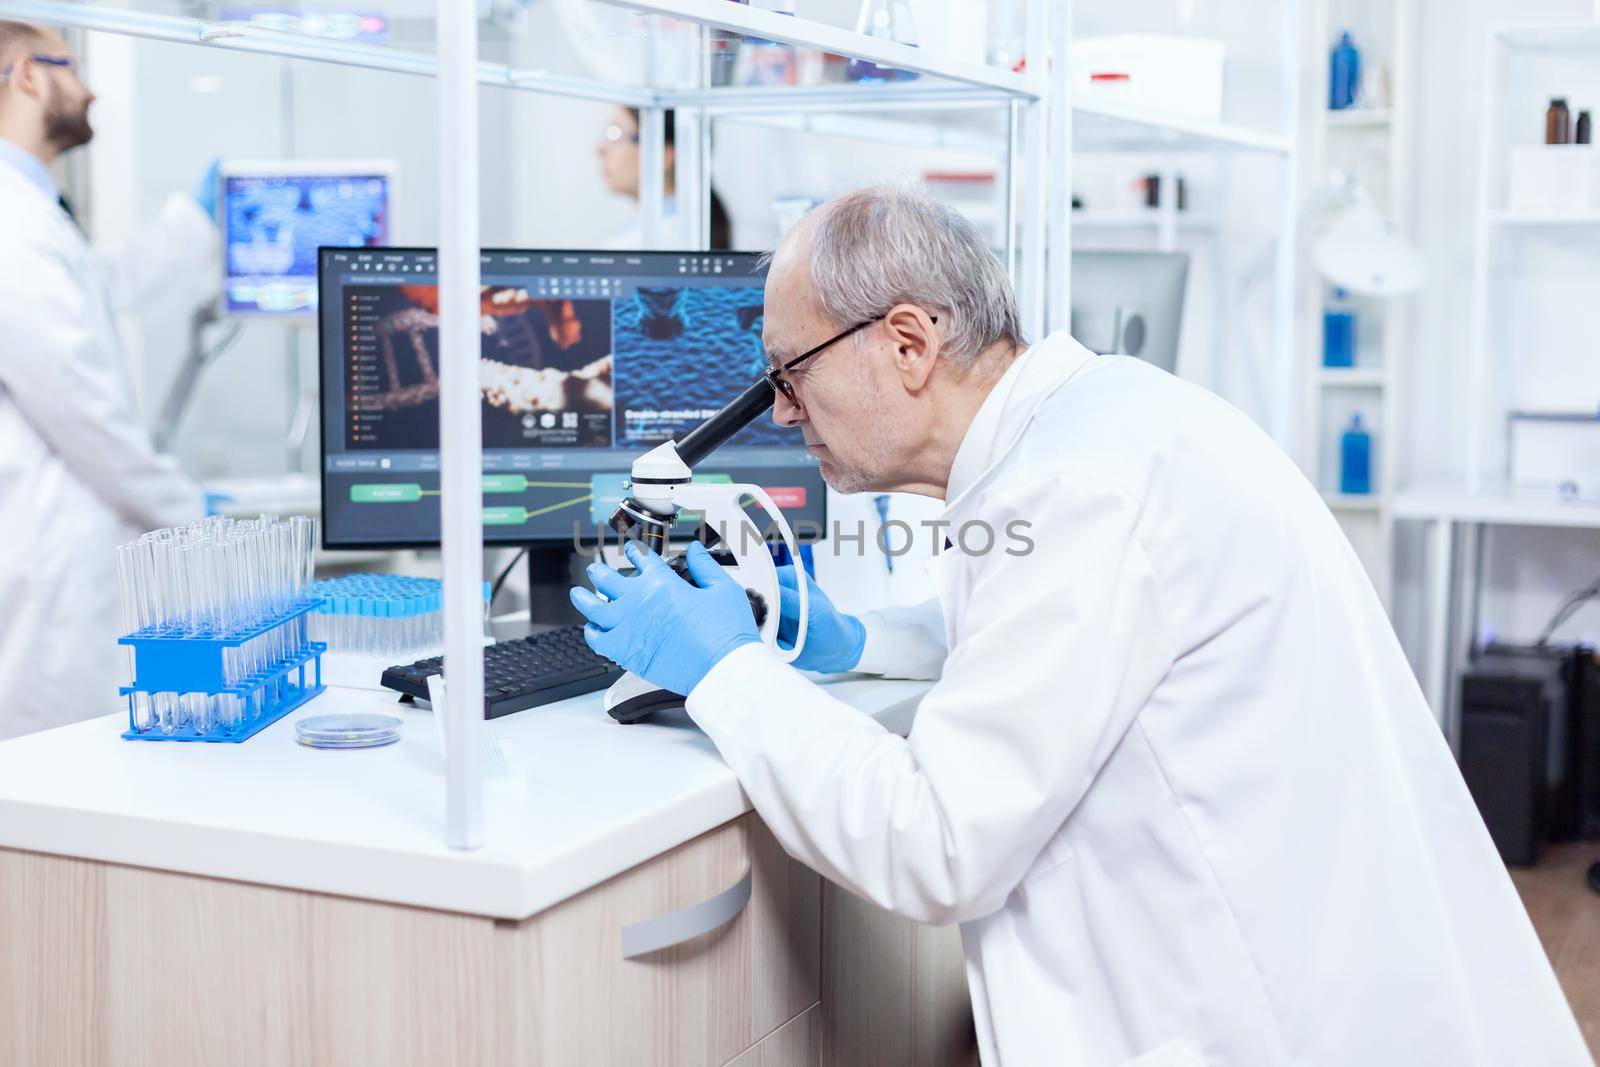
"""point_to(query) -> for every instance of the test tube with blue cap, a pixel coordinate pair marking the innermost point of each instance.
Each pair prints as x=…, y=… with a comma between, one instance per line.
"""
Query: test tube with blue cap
x=390, y=615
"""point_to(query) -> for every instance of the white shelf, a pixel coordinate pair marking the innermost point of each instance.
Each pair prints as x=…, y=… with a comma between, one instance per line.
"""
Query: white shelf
x=1358, y=117
x=1147, y=217
x=788, y=29
x=1105, y=126
x=241, y=37
x=1499, y=505
x=1521, y=218
x=908, y=134
x=955, y=82
x=1353, y=501
x=1354, y=377
x=1557, y=37
x=833, y=111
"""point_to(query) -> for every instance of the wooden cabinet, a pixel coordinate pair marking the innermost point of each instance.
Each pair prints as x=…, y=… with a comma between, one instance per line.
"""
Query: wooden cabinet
x=894, y=992
x=107, y=966
x=703, y=1002
x=797, y=1043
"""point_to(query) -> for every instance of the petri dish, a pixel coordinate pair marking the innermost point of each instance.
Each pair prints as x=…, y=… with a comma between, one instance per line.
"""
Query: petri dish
x=347, y=731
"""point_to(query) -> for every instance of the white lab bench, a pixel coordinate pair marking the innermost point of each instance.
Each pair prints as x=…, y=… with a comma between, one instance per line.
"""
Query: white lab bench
x=1445, y=511
x=176, y=903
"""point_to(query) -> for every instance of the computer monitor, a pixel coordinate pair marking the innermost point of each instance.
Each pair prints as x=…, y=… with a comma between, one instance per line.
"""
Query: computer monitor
x=276, y=214
x=588, y=360
x=1130, y=303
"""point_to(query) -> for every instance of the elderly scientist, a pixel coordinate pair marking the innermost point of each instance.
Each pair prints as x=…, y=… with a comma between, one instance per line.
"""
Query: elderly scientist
x=1175, y=781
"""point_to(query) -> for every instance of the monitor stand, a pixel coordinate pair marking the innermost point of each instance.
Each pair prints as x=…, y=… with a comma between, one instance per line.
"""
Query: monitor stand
x=552, y=572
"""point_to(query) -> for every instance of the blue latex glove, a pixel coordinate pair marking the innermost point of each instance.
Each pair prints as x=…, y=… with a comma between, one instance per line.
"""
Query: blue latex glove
x=660, y=627
x=205, y=191
x=834, y=640
x=216, y=501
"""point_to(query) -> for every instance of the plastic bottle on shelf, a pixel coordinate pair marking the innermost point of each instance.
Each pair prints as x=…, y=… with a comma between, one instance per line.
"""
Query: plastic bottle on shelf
x=1007, y=48
x=1355, y=459
x=768, y=62
x=1558, y=122
x=1344, y=73
x=1339, y=331
x=1585, y=130
x=890, y=20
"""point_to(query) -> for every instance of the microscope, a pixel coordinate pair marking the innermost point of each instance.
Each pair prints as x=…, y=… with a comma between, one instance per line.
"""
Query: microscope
x=661, y=485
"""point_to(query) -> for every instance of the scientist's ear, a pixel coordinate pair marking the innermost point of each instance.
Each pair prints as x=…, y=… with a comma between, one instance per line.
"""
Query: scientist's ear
x=28, y=76
x=915, y=341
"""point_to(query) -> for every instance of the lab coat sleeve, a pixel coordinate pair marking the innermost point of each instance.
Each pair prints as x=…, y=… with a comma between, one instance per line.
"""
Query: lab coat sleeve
x=75, y=397
x=182, y=240
x=904, y=641
x=1055, y=655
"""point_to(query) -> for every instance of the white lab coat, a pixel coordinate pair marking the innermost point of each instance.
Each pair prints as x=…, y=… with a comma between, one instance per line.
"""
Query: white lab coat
x=1176, y=781
x=78, y=474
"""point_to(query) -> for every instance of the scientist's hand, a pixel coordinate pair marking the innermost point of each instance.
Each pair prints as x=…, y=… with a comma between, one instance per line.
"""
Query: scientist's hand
x=205, y=190
x=834, y=640
x=667, y=631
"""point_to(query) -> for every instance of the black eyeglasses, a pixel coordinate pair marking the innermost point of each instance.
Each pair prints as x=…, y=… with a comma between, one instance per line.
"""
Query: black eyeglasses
x=782, y=386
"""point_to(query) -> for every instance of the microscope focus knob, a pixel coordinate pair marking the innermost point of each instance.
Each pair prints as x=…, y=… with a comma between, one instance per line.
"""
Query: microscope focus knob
x=758, y=606
x=758, y=603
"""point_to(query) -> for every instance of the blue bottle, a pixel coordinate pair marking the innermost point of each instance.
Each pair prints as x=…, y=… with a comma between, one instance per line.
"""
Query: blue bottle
x=1355, y=459
x=1344, y=74
x=1339, y=332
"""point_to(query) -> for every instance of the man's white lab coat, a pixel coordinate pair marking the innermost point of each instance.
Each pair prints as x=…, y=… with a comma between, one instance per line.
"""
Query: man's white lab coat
x=78, y=474
x=1176, y=781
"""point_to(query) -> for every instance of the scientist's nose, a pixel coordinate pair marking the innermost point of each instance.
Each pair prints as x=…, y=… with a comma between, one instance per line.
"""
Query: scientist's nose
x=786, y=412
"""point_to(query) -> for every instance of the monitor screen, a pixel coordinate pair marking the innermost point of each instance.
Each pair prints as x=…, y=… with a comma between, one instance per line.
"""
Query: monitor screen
x=587, y=360
x=275, y=216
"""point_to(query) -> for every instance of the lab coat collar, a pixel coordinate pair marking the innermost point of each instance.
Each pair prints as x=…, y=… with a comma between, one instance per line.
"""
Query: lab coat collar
x=30, y=167
x=1009, y=407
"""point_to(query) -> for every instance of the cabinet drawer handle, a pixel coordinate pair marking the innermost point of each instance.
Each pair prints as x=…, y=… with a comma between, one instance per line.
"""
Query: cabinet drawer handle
x=674, y=928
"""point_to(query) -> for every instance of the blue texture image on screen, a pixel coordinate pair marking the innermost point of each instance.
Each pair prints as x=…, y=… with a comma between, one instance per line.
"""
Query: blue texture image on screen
x=275, y=225
x=682, y=353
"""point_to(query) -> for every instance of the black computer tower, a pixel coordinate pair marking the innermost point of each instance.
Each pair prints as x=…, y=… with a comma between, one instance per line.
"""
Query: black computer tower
x=1504, y=723
x=1530, y=745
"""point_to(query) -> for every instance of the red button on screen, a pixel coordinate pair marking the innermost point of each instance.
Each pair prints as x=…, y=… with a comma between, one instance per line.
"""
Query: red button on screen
x=787, y=496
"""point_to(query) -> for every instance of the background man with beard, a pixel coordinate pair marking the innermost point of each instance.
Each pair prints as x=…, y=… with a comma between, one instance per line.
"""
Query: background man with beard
x=78, y=473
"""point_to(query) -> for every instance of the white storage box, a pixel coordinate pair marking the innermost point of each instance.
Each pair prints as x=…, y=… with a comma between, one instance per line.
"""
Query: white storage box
x=1177, y=75
x=1553, y=179
x=1554, y=451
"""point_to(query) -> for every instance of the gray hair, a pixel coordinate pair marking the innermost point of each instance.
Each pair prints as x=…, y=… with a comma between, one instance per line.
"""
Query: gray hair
x=880, y=246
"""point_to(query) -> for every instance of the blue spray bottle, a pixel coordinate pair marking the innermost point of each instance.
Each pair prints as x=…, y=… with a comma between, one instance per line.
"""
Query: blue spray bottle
x=1355, y=459
x=1344, y=74
x=1339, y=331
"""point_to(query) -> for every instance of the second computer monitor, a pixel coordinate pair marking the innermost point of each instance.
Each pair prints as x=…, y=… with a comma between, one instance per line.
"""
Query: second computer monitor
x=276, y=214
x=587, y=360
x=1130, y=303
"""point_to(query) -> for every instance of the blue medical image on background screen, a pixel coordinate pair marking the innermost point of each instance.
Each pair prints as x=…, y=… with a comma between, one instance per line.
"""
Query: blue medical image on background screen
x=682, y=353
x=274, y=225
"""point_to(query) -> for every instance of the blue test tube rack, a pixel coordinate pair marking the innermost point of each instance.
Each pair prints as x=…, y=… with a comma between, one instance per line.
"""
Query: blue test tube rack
x=168, y=662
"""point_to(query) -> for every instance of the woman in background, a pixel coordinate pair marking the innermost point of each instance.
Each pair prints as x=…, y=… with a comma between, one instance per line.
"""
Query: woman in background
x=618, y=151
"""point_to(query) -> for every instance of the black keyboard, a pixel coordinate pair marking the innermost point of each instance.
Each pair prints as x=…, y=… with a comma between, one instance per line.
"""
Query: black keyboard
x=525, y=673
